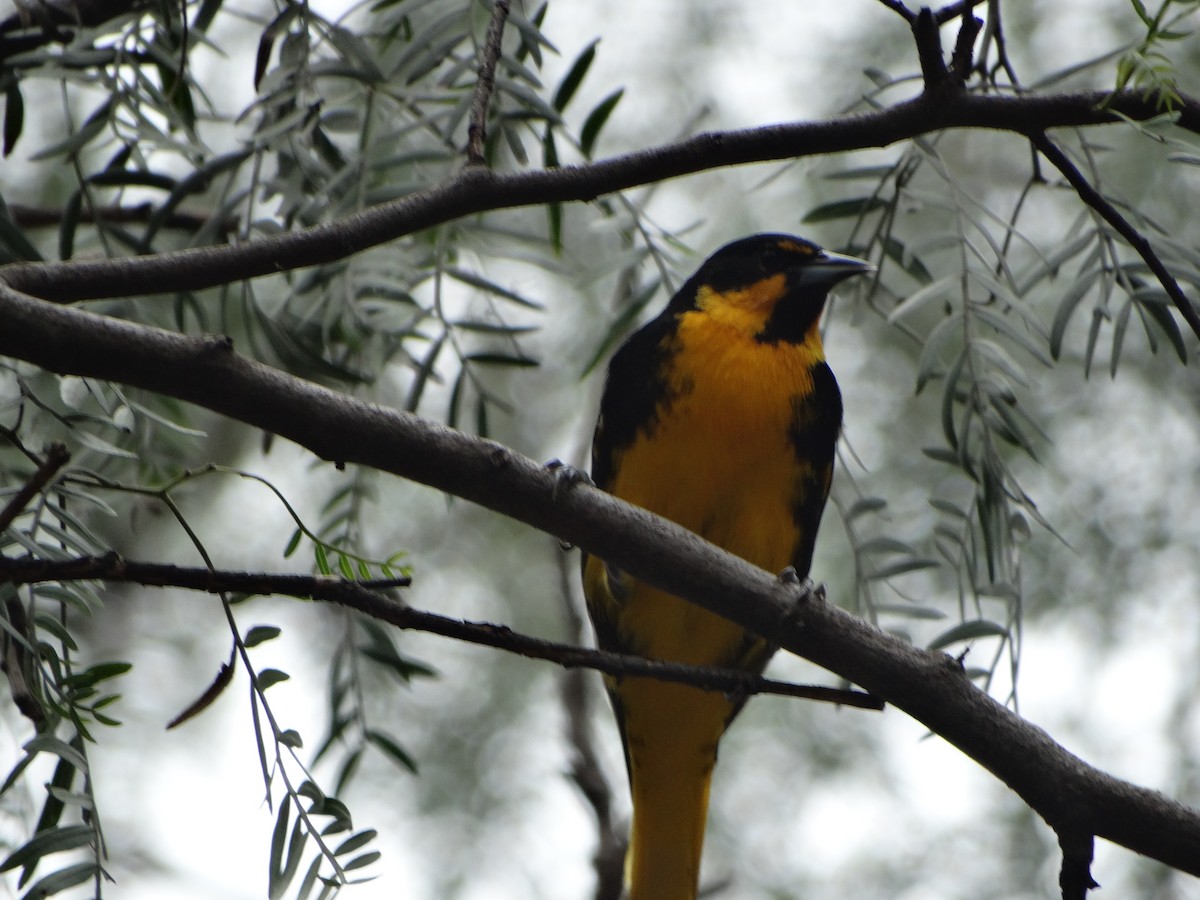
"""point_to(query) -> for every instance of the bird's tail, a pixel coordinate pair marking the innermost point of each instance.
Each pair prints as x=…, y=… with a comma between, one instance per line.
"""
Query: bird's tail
x=671, y=738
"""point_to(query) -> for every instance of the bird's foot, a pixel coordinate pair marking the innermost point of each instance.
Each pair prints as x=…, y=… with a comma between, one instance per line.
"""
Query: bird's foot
x=566, y=476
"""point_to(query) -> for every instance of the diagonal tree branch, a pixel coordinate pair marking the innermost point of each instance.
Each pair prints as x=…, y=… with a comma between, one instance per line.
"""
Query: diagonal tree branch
x=1073, y=797
x=478, y=189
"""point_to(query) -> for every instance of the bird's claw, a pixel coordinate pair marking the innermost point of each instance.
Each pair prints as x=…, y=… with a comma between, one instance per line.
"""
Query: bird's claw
x=566, y=476
x=804, y=587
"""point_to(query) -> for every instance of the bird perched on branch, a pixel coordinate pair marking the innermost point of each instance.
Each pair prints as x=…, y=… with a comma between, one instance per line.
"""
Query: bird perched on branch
x=721, y=415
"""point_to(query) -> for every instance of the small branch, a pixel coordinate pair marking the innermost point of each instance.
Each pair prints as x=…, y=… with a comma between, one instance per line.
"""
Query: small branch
x=961, y=62
x=900, y=9
x=489, y=57
x=51, y=217
x=1120, y=224
x=954, y=10
x=929, y=49
x=56, y=457
x=1075, y=876
x=364, y=596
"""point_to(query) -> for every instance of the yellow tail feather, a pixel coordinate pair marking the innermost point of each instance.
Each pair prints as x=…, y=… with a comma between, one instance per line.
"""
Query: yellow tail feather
x=671, y=734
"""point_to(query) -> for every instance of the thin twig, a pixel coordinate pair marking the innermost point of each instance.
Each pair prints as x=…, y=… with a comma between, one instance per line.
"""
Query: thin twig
x=25, y=216
x=961, y=61
x=56, y=457
x=365, y=597
x=486, y=83
x=954, y=10
x=928, y=39
x=1120, y=224
x=1075, y=877
x=900, y=9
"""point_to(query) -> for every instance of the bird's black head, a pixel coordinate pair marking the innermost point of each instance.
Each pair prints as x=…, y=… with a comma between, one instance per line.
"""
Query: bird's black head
x=777, y=283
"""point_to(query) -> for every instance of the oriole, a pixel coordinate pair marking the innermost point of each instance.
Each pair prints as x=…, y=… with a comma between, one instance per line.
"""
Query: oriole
x=721, y=414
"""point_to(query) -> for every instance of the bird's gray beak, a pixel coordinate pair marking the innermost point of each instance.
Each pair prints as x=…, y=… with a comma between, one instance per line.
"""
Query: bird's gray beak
x=830, y=268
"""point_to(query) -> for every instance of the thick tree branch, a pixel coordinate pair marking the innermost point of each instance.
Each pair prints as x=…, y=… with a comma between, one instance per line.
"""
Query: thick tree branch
x=477, y=189
x=1073, y=797
x=366, y=597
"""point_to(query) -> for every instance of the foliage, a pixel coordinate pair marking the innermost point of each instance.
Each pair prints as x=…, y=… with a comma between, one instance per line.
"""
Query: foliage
x=147, y=143
x=339, y=118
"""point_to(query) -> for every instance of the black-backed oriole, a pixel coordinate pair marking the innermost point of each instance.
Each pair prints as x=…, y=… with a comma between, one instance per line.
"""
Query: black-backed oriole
x=722, y=415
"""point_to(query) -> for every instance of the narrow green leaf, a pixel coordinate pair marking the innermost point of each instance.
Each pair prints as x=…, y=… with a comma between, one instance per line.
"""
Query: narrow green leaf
x=870, y=173
x=968, y=631
x=310, y=880
x=943, y=287
x=574, y=77
x=596, y=120
x=423, y=373
x=260, y=634
x=53, y=840
x=84, y=801
x=863, y=506
x=14, y=115
x=909, y=262
x=885, y=545
x=493, y=327
x=350, y=844
x=845, y=209
x=276, y=883
x=945, y=506
x=97, y=673
x=61, y=880
x=1071, y=299
x=14, y=245
x=948, y=398
x=391, y=749
x=293, y=543
x=902, y=566
x=206, y=14
x=501, y=359
x=491, y=287
x=322, y=559
x=266, y=41
x=348, y=768
x=269, y=677
x=52, y=809
x=360, y=862
x=87, y=132
x=48, y=743
x=1004, y=326
x=1161, y=315
x=1120, y=324
x=621, y=326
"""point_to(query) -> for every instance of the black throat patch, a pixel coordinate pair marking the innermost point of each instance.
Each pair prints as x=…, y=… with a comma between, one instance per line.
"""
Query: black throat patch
x=794, y=314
